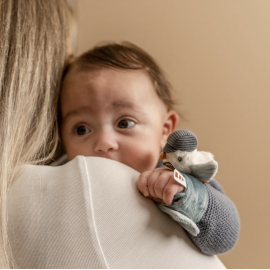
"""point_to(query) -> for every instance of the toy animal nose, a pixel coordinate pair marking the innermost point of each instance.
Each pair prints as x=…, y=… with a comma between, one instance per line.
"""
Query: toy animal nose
x=169, y=165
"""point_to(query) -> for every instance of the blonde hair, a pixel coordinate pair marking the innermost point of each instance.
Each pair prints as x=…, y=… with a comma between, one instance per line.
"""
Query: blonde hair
x=35, y=36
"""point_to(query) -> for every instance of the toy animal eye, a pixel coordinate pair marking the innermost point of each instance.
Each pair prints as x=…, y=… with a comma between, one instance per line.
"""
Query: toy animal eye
x=179, y=159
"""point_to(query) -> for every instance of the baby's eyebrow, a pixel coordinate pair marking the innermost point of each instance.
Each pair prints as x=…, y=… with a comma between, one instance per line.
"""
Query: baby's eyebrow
x=75, y=112
x=116, y=104
x=126, y=104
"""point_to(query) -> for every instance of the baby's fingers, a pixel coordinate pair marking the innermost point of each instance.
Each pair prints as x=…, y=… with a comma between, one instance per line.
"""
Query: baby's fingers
x=170, y=190
x=142, y=183
x=161, y=183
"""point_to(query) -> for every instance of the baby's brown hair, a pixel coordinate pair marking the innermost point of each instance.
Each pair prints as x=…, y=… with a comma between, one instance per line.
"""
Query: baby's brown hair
x=126, y=56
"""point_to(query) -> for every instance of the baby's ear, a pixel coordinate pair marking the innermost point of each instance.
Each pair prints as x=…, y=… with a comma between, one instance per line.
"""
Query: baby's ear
x=169, y=125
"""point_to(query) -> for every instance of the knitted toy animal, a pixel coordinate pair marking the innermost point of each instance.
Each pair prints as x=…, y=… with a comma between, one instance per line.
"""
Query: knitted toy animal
x=181, y=155
x=180, y=152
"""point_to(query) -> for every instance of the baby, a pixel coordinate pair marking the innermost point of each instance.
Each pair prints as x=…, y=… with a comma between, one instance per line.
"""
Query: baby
x=116, y=103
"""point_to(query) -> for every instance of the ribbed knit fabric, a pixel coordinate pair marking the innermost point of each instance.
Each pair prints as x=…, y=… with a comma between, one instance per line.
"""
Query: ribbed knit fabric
x=220, y=225
x=183, y=140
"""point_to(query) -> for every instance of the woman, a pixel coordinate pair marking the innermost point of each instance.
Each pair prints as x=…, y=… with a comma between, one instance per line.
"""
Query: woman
x=36, y=38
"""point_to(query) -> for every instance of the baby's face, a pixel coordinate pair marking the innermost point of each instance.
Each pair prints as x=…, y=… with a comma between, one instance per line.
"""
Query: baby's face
x=113, y=114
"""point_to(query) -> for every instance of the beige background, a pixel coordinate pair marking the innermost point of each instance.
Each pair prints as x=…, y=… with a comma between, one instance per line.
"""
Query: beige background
x=217, y=57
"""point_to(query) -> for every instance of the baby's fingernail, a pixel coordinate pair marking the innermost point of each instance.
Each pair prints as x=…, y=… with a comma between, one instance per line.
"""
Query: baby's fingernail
x=169, y=203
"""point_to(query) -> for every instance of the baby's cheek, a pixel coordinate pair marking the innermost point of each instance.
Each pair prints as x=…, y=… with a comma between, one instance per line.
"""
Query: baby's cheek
x=143, y=160
x=74, y=150
x=71, y=153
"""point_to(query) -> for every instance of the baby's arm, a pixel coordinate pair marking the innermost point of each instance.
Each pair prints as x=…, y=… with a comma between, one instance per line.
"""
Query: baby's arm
x=219, y=221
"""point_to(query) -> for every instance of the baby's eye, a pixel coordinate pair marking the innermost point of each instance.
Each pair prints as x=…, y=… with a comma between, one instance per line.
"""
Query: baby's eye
x=125, y=123
x=81, y=130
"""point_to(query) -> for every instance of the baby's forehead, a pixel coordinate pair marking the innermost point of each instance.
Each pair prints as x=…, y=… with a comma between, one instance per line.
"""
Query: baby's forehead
x=73, y=71
x=75, y=76
x=122, y=88
x=92, y=74
x=108, y=98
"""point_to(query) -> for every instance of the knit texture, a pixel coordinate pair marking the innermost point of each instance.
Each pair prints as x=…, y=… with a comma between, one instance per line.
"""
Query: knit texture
x=183, y=140
x=220, y=225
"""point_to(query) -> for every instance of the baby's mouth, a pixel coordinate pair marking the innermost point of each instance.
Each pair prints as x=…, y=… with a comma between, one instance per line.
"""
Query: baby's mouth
x=169, y=165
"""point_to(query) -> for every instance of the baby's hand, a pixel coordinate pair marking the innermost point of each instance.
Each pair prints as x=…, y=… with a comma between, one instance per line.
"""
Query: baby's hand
x=159, y=185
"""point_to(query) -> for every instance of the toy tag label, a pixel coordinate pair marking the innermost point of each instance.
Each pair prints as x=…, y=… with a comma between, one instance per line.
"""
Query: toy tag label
x=178, y=177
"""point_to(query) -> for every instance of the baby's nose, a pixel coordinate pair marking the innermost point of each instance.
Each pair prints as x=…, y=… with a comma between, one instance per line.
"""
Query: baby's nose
x=105, y=142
